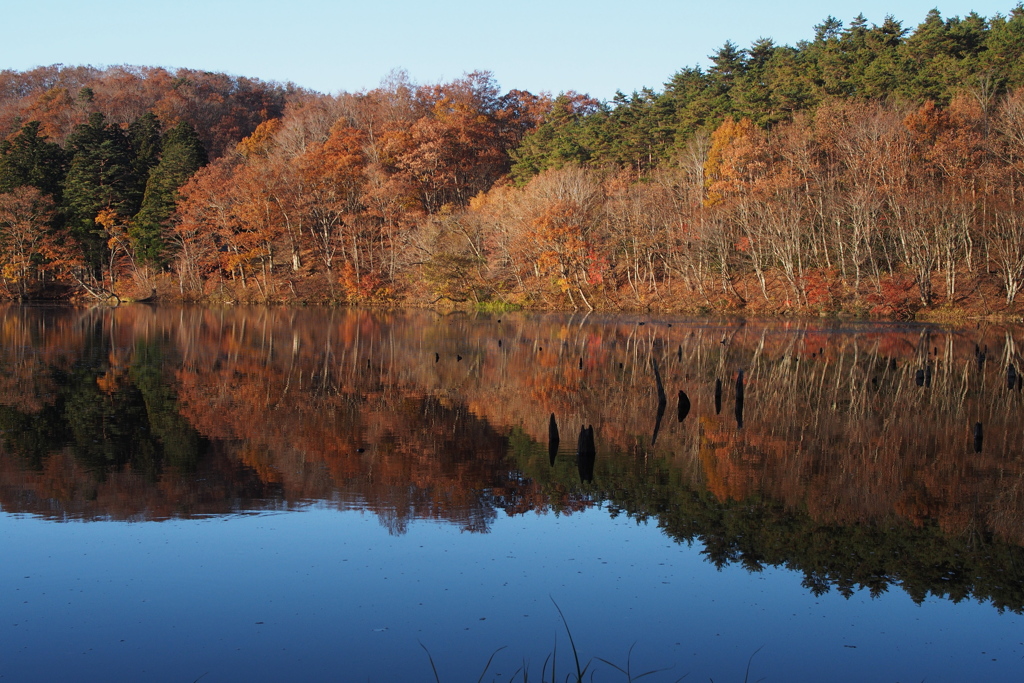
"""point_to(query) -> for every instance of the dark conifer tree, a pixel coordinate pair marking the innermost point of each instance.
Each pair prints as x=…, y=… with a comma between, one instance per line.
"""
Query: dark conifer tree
x=145, y=138
x=28, y=159
x=183, y=155
x=100, y=176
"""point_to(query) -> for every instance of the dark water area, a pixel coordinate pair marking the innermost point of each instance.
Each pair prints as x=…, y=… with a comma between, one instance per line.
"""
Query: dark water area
x=309, y=494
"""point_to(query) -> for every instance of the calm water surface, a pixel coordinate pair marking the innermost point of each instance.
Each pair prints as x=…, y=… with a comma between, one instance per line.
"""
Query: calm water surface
x=327, y=495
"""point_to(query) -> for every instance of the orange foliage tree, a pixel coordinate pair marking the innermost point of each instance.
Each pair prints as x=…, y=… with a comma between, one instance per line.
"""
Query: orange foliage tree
x=28, y=248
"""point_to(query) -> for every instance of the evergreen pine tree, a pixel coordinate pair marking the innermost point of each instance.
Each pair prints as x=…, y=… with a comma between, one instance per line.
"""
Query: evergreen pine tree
x=183, y=155
x=100, y=176
x=146, y=142
x=28, y=159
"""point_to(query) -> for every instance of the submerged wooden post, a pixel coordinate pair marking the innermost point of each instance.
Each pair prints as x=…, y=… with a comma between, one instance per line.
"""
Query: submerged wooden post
x=662, y=399
x=739, y=400
x=684, y=405
x=586, y=453
x=553, y=439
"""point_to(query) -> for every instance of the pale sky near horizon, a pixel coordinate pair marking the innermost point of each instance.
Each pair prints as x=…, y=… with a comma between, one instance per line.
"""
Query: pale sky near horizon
x=591, y=46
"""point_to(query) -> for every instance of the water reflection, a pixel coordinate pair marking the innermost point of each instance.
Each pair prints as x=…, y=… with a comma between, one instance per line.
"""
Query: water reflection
x=856, y=453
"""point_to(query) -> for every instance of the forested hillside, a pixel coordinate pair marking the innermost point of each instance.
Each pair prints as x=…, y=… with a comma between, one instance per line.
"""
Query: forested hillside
x=872, y=169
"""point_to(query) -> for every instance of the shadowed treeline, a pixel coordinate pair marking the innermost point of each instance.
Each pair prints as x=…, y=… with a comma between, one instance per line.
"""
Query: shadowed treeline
x=826, y=454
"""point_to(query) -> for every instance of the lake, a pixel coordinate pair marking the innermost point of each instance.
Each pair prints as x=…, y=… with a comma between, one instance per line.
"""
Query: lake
x=275, y=494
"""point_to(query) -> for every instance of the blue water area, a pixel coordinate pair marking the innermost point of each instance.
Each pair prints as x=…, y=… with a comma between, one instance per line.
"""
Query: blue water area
x=321, y=594
x=345, y=495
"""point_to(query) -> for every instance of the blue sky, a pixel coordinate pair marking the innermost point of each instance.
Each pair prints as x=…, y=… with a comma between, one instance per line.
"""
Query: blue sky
x=589, y=46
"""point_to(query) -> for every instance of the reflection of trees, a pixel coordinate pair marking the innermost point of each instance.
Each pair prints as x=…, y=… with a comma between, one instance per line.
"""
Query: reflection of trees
x=103, y=438
x=342, y=431
x=845, y=468
x=873, y=555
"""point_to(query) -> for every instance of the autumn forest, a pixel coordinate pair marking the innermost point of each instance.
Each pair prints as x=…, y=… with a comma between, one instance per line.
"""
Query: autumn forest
x=872, y=170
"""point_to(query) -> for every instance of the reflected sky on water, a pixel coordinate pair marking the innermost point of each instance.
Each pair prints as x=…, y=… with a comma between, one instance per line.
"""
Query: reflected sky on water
x=319, y=594
x=282, y=495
